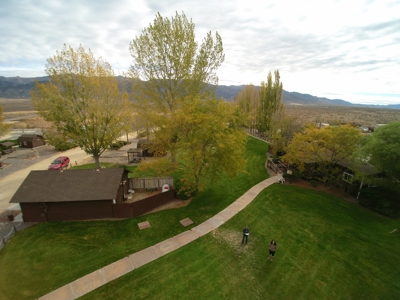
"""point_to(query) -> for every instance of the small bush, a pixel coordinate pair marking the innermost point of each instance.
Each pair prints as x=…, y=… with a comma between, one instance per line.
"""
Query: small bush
x=292, y=177
x=314, y=182
x=381, y=200
x=182, y=192
x=117, y=145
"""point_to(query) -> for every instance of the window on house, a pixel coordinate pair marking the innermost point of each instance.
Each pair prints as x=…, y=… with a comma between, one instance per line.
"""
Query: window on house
x=347, y=177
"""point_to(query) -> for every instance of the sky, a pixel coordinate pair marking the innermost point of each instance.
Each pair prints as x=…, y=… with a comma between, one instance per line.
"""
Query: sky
x=347, y=50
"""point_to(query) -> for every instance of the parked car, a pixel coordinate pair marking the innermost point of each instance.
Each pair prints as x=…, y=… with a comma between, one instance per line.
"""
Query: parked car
x=59, y=163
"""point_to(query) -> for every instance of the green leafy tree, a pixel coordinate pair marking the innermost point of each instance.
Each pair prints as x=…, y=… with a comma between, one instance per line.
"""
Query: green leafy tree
x=82, y=100
x=167, y=58
x=322, y=148
x=383, y=150
x=270, y=101
x=168, y=66
x=211, y=142
x=247, y=101
x=4, y=128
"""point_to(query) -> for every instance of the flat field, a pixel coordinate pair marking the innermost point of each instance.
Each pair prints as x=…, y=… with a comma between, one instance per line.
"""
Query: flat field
x=362, y=116
x=16, y=105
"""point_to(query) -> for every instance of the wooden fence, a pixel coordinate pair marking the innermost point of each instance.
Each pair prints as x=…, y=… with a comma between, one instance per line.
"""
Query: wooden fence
x=141, y=207
x=150, y=183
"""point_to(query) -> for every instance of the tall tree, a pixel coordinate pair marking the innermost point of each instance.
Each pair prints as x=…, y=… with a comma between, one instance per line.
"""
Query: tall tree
x=82, y=100
x=383, y=150
x=282, y=130
x=270, y=101
x=4, y=128
x=247, y=101
x=167, y=58
x=168, y=66
x=324, y=147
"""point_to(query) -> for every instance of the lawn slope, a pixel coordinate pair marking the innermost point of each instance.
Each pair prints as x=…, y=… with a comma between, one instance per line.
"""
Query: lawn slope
x=327, y=249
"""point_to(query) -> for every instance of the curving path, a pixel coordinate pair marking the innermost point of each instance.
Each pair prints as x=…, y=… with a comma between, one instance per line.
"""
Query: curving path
x=127, y=264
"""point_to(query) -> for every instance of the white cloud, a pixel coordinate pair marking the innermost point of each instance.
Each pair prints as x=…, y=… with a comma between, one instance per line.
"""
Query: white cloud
x=348, y=49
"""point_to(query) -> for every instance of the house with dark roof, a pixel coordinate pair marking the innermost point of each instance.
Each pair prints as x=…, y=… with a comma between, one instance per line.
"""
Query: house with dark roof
x=71, y=195
x=351, y=184
x=31, y=140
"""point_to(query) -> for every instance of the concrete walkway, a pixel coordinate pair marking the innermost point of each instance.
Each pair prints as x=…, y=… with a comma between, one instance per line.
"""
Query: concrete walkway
x=127, y=264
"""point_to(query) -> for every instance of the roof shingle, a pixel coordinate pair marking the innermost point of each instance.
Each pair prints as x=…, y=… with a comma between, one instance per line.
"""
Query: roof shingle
x=70, y=185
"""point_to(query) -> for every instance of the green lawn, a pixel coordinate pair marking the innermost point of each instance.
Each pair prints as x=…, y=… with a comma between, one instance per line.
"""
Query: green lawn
x=327, y=249
x=47, y=256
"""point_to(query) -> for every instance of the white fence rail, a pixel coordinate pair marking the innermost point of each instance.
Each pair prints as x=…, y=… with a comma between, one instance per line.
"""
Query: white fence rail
x=150, y=183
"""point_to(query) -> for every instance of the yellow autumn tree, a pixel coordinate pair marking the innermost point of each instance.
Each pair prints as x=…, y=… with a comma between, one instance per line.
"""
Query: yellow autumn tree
x=211, y=143
x=322, y=148
x=82, y=100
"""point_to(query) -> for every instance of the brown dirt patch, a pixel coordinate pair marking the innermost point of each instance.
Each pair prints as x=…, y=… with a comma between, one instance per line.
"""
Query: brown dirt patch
x=172, y=205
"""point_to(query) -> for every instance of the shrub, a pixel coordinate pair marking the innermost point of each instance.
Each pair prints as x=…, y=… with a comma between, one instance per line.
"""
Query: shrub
x=381, y=200
x=292, y=177
x=117, y=145
x=183, y=191
x=64, y=146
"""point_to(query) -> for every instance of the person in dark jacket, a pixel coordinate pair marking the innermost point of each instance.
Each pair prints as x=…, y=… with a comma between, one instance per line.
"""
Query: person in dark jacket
x=272, y=249
x=246, y=233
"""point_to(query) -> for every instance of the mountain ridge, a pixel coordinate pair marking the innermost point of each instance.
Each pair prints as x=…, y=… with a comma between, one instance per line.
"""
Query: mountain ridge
x=20, y=87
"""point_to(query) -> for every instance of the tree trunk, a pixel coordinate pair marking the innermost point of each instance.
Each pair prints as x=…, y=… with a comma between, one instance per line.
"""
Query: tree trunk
x=97, y=161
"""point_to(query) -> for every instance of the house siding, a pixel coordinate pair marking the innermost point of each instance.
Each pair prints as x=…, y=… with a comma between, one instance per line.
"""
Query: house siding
x=67, y=211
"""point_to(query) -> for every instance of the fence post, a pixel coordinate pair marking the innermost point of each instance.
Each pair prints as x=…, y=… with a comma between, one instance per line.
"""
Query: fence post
x=15, y=229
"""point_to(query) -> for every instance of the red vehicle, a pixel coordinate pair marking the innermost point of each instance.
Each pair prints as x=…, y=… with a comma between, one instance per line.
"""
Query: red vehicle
x=59, y=163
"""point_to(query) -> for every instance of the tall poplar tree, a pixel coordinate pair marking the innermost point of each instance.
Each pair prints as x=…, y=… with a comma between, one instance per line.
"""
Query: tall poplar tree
x=270, y=101
x=248, y=102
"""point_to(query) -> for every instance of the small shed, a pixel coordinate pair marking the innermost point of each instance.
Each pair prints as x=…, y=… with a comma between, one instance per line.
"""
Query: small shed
x=31, y=140
x=71, y=195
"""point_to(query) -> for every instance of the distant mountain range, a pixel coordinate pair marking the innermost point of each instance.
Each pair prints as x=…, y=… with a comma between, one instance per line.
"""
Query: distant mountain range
x=20, y=87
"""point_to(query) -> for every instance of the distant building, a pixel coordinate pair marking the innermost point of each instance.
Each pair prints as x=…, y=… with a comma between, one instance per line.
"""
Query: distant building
x=31, y=140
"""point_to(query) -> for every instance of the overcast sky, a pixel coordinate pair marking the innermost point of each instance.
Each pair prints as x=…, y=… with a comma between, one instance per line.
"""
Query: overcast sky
x=346, y=50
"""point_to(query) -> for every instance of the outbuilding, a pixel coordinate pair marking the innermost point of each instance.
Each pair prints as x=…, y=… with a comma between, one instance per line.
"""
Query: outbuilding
x=31, y=140
x=71, y=195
